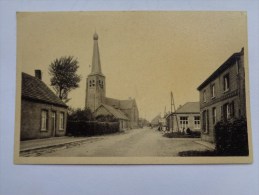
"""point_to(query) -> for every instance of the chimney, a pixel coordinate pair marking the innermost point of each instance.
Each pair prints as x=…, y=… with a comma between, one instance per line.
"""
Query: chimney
x=38, y=74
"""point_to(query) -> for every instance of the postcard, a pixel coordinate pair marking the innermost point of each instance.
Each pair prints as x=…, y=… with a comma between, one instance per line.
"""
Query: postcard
x=134, y=87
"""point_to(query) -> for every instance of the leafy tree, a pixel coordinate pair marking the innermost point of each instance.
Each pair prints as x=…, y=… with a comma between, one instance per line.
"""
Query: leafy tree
x=63, y=76
x=80, y=114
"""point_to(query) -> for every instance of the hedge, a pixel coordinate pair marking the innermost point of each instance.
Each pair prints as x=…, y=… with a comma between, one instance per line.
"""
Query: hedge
x=231, y=138
x=90, y=128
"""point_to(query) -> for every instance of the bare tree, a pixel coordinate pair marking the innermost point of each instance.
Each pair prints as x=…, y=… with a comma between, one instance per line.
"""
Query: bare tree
x=63, y=76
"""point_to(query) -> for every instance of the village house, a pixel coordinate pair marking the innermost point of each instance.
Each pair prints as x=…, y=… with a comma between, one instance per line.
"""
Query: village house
x=126, y=111
x=104, y=110
x=156, y=121
x=186, y=116
x=222, y=95
x=43, y=114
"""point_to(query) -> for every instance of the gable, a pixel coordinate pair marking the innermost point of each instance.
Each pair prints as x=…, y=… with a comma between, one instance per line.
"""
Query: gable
x=104, y=109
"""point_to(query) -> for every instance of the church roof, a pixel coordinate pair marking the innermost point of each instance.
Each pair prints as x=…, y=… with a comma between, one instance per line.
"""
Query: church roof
x=126, y=104
x=120, y=104
x=96, y=61
x=113, y=111
x=112, y=102
x=35, y=89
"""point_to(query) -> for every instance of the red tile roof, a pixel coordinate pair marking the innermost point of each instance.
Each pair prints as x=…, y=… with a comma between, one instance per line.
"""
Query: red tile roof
x=35, y=89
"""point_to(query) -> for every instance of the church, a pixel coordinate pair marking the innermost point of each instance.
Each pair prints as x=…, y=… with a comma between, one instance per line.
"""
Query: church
x=126, y=111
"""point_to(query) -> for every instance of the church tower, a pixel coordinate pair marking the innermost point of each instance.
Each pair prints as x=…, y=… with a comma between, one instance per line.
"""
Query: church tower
x=95, y=82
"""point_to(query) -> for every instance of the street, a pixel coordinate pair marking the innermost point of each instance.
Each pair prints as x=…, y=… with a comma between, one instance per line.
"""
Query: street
x=138, y=142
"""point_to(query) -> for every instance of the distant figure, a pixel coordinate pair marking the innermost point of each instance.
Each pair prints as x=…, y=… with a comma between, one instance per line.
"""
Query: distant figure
x=188, y=131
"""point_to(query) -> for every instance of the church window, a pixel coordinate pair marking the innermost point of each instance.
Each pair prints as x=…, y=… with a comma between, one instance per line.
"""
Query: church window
x=90, y=83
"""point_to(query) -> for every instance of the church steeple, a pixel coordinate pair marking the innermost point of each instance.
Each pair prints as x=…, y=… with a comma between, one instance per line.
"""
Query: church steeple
x=95, y=82
x=96, y=62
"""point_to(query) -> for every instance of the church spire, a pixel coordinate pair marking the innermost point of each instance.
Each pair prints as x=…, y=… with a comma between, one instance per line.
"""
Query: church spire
x=96, y=62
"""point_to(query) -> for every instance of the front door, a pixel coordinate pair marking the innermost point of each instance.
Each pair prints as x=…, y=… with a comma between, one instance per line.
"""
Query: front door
x=53, y=123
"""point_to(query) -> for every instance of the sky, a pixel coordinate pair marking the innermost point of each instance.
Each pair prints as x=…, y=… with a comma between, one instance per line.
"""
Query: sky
x=144, y=55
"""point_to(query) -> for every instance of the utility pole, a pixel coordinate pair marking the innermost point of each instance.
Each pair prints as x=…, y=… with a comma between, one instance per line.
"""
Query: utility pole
x=172, y=104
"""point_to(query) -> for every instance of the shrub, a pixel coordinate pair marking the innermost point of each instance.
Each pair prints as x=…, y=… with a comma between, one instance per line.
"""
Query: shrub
x=80, y=114
x=106, y=118
x=90, y=128
x=231, y=137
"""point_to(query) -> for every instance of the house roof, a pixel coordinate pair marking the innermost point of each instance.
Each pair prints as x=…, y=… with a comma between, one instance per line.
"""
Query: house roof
x=229, y=62
x=189, y=107
x=156, y=119
x=113, y=111
x=35, y=89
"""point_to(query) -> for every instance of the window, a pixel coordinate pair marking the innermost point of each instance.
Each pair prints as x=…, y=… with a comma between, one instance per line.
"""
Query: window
x=197, y=122
x=90, y=83
x=93, y=83
x=44, y=120
x=213, y=91
x=61, y=121
x=205, y=121
x=226, y=111
x=183, y=122
x=226, y=82
x=214, y=115
x=204, y=96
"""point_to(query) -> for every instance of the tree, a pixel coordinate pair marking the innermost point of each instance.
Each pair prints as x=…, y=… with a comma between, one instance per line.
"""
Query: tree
x=80, y=114
x=63, y=76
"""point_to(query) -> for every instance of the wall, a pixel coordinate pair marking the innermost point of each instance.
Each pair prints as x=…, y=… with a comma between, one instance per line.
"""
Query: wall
x=31, y=120
x=190, y=121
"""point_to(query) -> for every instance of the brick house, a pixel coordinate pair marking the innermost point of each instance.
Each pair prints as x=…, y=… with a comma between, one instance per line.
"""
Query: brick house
x=43, y=114
x=222, y=95
x=186, y=116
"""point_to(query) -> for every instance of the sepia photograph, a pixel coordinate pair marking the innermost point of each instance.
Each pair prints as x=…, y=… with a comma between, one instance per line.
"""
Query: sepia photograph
x=135, y=87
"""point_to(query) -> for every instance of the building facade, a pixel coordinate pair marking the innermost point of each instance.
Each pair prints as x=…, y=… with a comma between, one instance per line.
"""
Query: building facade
x=185, y=117
x=222, y=95
x=43, y=114
x=96, y=92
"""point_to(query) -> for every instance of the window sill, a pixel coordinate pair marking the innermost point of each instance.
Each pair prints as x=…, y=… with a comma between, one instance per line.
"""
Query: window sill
x=226, y=91
x=213, y=97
